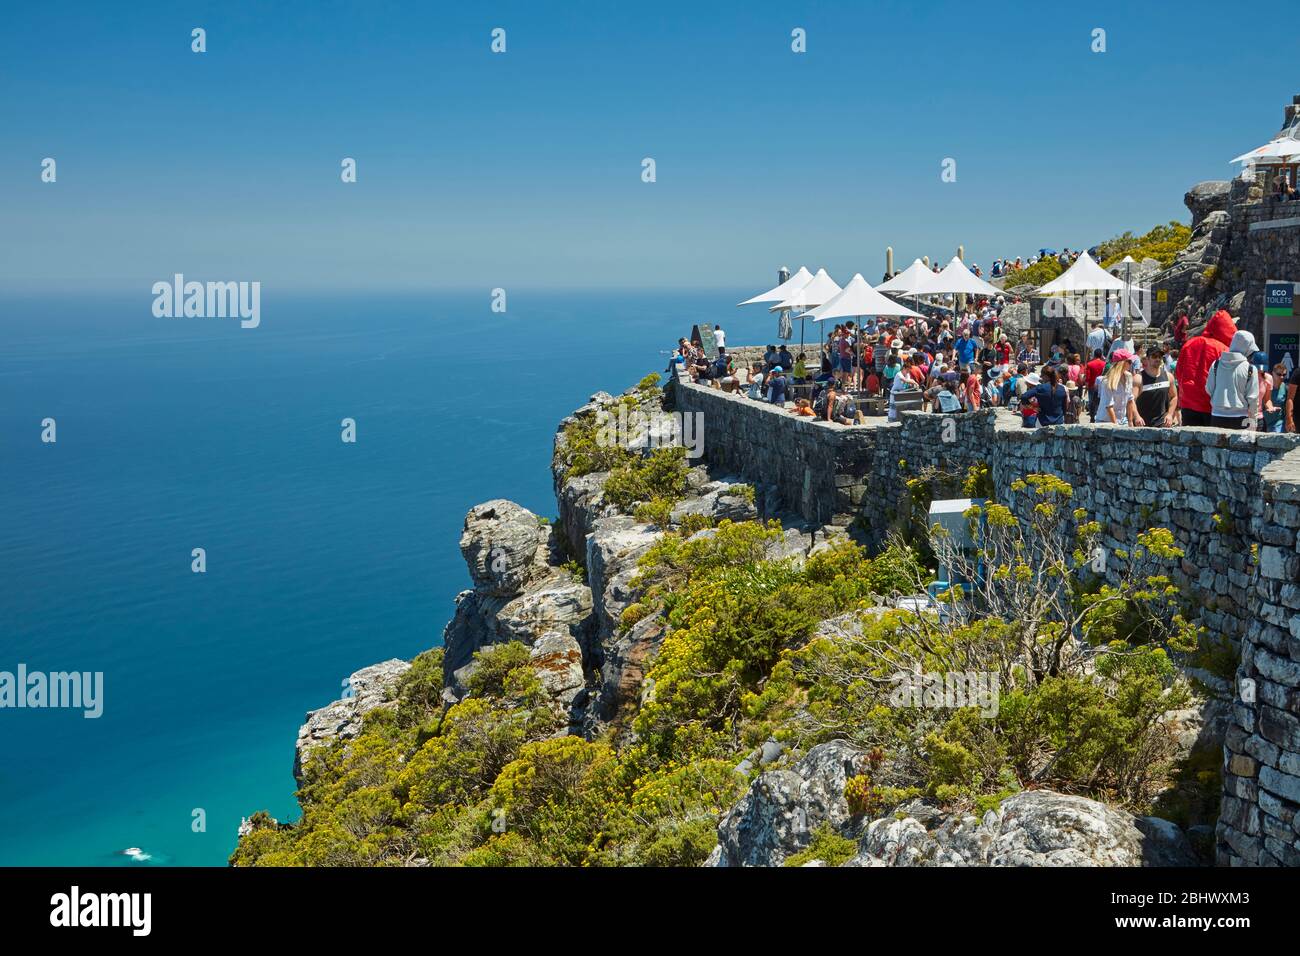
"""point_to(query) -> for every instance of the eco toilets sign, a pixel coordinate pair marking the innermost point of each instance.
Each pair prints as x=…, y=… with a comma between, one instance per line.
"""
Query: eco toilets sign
x=1279, y=298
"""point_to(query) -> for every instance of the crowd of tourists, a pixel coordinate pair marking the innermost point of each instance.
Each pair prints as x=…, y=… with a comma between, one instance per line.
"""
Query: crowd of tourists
x=1218, y=378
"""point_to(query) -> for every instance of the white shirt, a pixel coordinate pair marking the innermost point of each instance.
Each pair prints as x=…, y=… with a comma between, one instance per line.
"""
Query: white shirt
x=720, y=337
x=1119, y=400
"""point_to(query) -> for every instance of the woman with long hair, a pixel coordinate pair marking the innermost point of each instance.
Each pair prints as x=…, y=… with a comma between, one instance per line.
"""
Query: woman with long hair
x=1115, y=391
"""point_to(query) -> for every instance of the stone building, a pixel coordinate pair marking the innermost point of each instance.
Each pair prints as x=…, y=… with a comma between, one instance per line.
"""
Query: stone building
x=1242, y=236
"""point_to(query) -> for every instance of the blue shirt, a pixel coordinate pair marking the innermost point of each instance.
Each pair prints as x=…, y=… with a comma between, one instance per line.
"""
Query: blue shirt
x=965, y=350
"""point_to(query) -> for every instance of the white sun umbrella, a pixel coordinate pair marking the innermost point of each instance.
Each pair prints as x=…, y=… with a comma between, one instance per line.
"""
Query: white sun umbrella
x=909, y=281
x=956, y=278
x=1276, y=149
x=857, y=299
x=821, y=288
x=781, y=292
x=784, y=290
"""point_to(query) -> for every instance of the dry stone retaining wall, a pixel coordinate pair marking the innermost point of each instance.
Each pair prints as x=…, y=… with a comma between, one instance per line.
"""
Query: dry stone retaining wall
x=1232, y=502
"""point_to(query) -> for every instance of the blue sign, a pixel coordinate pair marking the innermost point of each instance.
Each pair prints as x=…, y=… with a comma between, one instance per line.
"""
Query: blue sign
x=1279, y=298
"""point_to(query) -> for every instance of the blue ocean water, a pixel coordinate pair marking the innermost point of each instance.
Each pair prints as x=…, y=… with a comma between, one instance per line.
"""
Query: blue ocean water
x=322, y=557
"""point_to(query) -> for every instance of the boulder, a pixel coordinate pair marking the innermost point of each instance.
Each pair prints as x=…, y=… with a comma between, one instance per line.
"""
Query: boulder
x=778, y=814
x=626, y=660
x=1032, y=828
x=1207, y=197
x=717, y=504
x=557, y=659
x=503, y=543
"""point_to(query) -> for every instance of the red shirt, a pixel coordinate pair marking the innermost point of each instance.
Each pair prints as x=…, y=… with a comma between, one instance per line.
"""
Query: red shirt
x=973, y=392
x=1004, y=352
x=1094, y=369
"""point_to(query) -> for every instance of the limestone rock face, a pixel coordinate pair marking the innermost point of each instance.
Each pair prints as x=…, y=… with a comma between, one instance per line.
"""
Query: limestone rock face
x=1207, y=197
x=341, y=720
x=775, y=819
x=557, y=659
x=627, y=658
x=717, y=503
x=503, y=544
x=1033, y=828
x=521, y=592
x=613, y=549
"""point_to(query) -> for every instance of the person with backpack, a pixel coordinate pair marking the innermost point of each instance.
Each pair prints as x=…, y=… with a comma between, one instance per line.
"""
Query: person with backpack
x=1232, y=385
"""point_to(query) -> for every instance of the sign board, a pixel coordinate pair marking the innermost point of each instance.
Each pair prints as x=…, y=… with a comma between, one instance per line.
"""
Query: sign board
x=1280, y=346
x=704, y=335
x=1162, y=295
x=1279, y=298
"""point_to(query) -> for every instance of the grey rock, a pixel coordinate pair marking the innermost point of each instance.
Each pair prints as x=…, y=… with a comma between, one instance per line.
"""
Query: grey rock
x=778, y=814
x=503, y=544
x=369, y=688
x=1033, y=828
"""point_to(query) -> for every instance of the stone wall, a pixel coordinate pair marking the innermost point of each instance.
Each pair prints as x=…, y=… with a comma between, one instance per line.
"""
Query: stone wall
x=1231, y=500
x=797, y=465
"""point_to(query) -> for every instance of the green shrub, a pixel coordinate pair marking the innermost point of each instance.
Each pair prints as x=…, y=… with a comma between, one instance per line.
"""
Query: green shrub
x=826, y=845
x=661, y=474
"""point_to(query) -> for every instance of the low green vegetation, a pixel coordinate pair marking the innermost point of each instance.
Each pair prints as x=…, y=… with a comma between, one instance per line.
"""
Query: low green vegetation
x=1040, y=273
x=1084, y=668
x=1162, y=243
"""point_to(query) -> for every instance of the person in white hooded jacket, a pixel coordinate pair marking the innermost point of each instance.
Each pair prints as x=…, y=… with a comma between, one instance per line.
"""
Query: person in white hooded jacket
x=1233, y=386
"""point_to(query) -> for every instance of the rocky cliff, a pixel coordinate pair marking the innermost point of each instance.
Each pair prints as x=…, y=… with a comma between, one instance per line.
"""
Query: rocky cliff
x=573, y=596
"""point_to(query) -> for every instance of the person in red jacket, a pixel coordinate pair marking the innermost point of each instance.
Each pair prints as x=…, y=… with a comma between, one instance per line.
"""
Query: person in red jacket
x=1194, y=361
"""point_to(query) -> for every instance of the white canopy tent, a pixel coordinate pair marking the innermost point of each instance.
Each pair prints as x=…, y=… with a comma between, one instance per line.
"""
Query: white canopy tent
x=1083, y=276
x=908, y=282
x=784, y=290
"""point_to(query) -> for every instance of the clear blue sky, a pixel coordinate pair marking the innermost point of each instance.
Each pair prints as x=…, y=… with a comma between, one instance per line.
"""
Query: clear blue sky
x=524, y=169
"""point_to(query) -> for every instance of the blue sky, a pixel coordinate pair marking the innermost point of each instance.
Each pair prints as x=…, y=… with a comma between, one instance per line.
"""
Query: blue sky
x=524, y=169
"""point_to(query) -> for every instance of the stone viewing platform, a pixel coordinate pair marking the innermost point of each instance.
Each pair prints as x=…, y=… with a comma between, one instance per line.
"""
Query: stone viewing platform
x=1232, y=502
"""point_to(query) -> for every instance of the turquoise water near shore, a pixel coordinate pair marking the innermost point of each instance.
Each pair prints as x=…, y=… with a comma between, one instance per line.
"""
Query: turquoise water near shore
x=322, y=557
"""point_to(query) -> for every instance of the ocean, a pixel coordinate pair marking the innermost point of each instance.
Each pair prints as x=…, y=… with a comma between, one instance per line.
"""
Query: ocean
x=321, y=556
